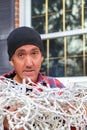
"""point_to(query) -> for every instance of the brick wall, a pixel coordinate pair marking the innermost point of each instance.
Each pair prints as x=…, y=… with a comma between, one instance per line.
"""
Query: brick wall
x=16, y=13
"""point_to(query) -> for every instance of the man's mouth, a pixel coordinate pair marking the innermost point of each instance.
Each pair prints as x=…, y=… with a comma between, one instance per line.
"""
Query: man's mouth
x=28, y=71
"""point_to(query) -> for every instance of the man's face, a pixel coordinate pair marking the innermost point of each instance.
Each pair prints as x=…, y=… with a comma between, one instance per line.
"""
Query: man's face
x=27, y=62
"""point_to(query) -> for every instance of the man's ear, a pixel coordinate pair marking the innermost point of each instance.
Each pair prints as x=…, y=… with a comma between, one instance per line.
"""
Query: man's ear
x=42, y=58
x=11, y=62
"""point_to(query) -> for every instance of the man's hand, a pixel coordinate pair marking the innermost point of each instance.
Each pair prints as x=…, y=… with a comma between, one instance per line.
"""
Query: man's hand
x=11, y=108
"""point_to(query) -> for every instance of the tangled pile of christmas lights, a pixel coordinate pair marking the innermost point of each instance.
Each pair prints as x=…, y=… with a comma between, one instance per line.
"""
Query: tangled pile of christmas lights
x=42, y=108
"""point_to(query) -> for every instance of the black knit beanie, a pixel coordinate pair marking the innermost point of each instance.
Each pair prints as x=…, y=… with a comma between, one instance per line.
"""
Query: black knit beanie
x=23, y=36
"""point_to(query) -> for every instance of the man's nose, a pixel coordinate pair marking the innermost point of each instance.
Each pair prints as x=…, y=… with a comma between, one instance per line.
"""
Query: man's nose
x=28, y=61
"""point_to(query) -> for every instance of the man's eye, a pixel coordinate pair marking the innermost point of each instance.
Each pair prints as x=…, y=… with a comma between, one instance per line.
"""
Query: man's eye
x=20, y=55
x=35, y=53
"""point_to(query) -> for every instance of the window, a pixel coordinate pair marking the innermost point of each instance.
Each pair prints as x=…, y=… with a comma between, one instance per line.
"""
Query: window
x=62, y=25
x=6, y=25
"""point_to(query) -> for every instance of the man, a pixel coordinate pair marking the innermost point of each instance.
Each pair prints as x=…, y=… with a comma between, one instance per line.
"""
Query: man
x=26, y=54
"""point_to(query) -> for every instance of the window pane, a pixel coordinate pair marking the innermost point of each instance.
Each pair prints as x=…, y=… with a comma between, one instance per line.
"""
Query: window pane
x=56, y=47
x=6, y=25
x=74, y=67
x=74, y=46
x=38, y=15
x=55, y=16
x=73, y=14
x=85, y=14
x=56, y=68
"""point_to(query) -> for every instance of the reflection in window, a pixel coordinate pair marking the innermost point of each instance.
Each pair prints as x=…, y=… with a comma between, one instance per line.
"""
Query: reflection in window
x=74, y=45
x=64, y=56
x=74, y=66
x=56, y=68
x=56, y=47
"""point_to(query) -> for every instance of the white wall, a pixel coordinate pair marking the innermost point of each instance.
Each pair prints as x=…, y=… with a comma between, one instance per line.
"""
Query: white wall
x=67, y=81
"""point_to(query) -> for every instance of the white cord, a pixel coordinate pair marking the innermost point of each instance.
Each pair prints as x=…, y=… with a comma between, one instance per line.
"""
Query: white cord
x=48, y=109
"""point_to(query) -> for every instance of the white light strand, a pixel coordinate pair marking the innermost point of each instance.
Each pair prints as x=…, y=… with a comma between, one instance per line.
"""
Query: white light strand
x=49, y=109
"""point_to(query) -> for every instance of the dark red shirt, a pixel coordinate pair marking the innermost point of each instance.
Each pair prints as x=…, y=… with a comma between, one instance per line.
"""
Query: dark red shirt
x=44, y=80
